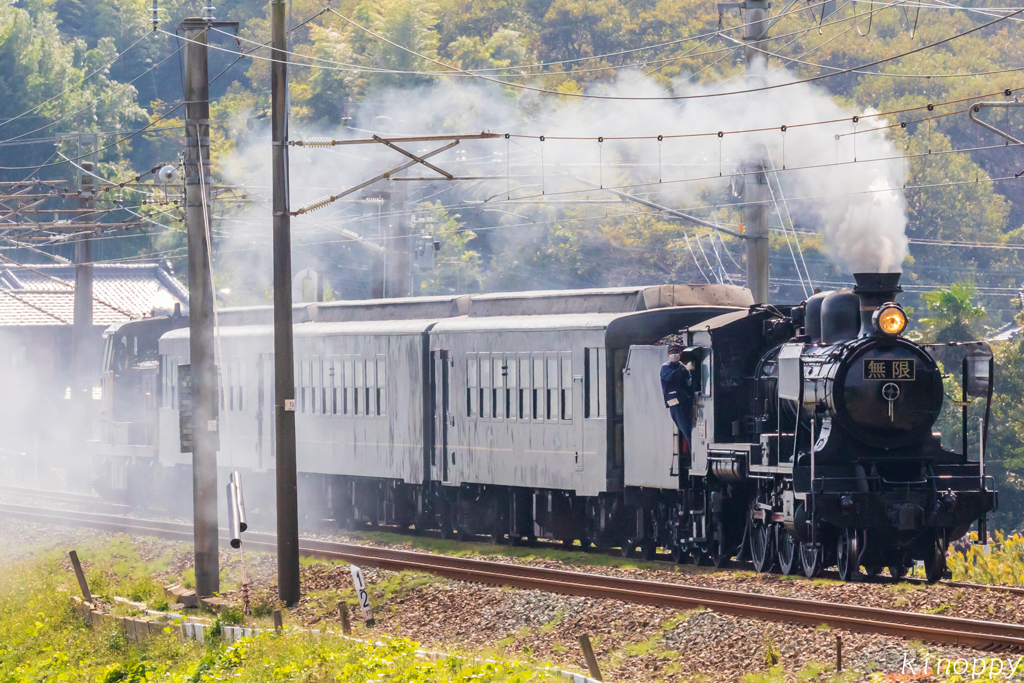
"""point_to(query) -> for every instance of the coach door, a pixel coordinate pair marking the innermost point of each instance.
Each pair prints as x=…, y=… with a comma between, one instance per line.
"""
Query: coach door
x=440, y=380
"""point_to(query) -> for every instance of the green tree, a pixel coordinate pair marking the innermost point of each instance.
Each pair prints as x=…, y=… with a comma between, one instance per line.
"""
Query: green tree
x=954, y=313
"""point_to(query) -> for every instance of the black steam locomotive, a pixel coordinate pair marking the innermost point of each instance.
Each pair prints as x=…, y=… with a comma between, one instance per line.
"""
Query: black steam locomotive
x=814, y=437
x=539, y=415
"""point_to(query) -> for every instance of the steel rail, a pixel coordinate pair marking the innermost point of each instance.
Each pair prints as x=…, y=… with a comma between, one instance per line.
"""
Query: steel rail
x=984, y=635
x=82, y=498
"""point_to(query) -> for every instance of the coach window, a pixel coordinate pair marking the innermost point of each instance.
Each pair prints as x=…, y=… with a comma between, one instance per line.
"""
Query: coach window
x=349, y=380
x=323, y=369
x=371, y=388
x=565, y=387
x=174, y=383
x=314, y=383
x=471, y=383
x=382, y=384
x=358, y=389
x=538, y=389
x=594, y=383
x=619, y=358
x=524, y=387
x=332, y=388
x=498, y=387
x=241, y=385
x=552, y=386
x=485, y=385
x=508, y=374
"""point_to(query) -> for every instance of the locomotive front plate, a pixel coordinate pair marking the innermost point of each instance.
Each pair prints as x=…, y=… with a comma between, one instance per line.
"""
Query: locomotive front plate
x=889, y=369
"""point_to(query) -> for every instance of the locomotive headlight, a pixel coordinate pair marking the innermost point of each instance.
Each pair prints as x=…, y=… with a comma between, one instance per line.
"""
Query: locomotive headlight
x=890, y=319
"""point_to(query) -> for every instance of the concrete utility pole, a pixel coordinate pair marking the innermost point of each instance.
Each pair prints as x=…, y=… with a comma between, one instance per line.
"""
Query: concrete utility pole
x=755, y=192
x=81, y=333
x=205, y=428
x=399, y=270
x=284, y=353
x=755, y=181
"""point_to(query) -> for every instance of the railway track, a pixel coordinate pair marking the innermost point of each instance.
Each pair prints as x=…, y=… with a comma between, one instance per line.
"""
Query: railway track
x=984, y=635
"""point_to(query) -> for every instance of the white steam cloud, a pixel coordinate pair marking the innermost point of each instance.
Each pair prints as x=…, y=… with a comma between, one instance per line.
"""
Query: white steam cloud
x=841, y=179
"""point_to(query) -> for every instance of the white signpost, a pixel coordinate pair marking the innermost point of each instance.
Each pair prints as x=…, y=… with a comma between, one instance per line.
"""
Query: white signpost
x=361, y=594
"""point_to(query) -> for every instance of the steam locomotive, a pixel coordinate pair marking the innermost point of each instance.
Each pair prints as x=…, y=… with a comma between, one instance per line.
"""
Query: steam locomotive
x=520, y=416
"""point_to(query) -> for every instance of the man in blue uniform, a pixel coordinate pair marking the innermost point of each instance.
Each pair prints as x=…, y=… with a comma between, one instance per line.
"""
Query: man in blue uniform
x=677, y=387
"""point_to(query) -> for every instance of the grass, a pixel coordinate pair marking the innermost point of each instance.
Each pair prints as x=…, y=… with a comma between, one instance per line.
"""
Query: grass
x=41, y=639
x=539, y=551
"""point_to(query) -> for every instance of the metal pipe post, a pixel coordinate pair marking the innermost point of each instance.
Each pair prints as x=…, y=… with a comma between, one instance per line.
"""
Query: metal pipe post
x=284, y=372
x=200, y=296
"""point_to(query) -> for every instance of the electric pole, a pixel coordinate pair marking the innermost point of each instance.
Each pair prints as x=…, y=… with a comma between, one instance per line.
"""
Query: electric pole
x=284, y=353
x=755, y=19
x=399, y=270
x=82, y=342
x=755, y=182
x=203, y=372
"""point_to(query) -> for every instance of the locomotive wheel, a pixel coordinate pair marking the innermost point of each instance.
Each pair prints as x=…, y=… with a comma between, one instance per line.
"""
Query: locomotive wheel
x=935, y=564
x=447, y=530
x=811, y=560
x=847, y=555
x=714, y=555
x=680, y=556
x=787, y=550
x=761, y=551
x=628, y=549
x=648, y=550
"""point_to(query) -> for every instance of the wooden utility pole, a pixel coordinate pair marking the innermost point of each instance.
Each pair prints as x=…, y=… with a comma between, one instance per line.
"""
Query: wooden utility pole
x=284, y=352
x=205, y=428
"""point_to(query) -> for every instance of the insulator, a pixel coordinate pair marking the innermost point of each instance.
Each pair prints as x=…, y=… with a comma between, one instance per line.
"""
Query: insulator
x=318, y=204
x=316, y=142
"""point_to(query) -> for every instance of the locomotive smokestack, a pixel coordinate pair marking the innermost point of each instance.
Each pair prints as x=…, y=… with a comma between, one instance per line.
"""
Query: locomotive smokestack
x=874, y=289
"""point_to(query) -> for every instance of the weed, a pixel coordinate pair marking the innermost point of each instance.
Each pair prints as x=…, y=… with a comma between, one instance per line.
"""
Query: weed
x=232, y=616
x=771, y=651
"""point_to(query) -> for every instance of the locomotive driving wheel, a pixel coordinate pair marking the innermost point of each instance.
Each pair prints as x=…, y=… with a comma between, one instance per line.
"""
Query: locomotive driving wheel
x=811, y=559
x=714, y=554
x=848, y=549
x=761, y=550
x=787, y=550
x=935, y=561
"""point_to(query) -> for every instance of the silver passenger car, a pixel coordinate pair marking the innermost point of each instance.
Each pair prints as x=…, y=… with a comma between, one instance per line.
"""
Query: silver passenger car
x=486, y=413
